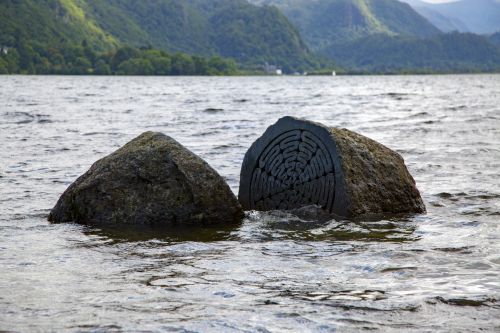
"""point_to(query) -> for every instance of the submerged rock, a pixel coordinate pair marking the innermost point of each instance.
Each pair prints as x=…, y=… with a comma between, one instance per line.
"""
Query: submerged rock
x=298, y=163
x=154, y=180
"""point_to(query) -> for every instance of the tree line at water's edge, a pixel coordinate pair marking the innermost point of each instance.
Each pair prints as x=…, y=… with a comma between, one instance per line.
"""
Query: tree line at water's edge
x=33, y=58
x=371, y=56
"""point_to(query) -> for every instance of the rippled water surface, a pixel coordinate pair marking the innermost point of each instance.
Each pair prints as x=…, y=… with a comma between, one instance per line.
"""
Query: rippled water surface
x=277, y=271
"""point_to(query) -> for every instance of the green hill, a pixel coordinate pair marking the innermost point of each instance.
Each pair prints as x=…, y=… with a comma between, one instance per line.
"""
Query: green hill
x=327, y=22
x=229, y=28
x=385, y=36
x=50, y=22
x=445, y=53
x=174, y=37
x=172, y=25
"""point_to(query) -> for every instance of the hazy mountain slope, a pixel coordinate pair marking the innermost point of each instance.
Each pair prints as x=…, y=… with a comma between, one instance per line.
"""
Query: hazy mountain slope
x=453, y=52
x=327, y=22
x=495, y=38
x=478, y=16
x=442, y=22
x=386, y=36
x=402, y=19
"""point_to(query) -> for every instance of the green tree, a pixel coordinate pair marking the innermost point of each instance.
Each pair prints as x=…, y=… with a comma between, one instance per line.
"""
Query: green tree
x=82, y=65
x=123, y=54
x=89, y=52
x=3, y=67
x=200, y=65
x=182, y=64
x=136, y=67
x=26, y=56
x=161, y=65
x=219, y=66
x=72, y=53
x=102, y=68
x=44, y=66
x=160, y=60
x=55, y=56
x=12, y=60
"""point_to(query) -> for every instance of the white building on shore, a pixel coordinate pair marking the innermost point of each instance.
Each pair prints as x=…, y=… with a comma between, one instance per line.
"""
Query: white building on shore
x=272, y=69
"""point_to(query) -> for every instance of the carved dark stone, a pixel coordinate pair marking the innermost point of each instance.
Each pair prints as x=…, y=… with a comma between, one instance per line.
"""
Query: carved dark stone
x=298, y=163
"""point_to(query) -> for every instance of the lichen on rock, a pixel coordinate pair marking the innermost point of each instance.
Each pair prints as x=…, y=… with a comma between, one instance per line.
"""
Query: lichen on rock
x=152, y=180
x=377, y=180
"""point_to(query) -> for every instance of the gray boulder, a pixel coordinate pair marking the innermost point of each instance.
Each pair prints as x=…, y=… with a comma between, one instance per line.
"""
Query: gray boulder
x=151, y=180
x=298, y=163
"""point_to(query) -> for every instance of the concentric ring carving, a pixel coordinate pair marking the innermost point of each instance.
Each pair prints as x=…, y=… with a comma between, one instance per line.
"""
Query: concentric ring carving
x=294, y=170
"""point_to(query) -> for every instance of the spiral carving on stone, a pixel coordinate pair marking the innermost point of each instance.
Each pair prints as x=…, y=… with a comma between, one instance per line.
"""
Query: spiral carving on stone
x=294, y=170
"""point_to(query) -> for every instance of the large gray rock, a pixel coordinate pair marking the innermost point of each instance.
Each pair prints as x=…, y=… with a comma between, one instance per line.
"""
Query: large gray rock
x=298, y=163
x=153, y=179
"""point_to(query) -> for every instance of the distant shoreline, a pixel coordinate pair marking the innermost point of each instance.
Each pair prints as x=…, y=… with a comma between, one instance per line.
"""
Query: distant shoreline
x=263, y=74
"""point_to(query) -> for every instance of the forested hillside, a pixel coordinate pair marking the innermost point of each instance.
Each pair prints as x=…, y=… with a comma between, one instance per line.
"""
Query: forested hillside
x=249, y=34
x=50, y=22
x=210, y=37
x=445, y=53
x=327, y=22
x=386, y=36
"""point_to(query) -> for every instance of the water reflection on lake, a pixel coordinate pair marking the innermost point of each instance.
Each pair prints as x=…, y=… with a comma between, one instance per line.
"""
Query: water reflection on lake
x=277, y=271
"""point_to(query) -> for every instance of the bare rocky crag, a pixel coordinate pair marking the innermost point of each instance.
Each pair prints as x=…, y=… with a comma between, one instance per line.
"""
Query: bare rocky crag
x=151, y=180
x=297, y=163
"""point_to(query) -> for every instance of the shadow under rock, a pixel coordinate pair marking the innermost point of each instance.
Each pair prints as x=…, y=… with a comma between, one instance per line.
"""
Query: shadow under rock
x=313, y=224
x=137, y=233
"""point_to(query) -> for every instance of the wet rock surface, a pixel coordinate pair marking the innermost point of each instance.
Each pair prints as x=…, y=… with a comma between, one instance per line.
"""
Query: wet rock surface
x=298, y=163
x=151, y=180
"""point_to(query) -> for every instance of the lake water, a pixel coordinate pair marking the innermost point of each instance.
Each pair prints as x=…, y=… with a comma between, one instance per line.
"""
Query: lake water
x=438, y=272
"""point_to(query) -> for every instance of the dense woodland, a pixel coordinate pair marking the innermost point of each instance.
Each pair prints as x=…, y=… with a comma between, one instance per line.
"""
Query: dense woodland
x=443, y=53
x=386, y=36
x=248, y=34
x=82, y=59
x=224, y=37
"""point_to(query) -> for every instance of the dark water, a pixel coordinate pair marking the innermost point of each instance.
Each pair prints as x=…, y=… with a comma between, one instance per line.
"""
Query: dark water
x=277, y=272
